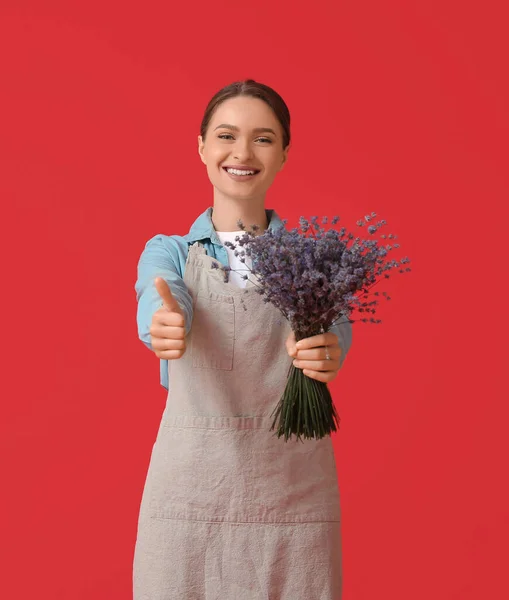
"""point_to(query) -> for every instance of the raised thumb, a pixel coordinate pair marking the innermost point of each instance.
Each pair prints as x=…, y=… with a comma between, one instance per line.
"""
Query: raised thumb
x=290, y=344
x=167, y=297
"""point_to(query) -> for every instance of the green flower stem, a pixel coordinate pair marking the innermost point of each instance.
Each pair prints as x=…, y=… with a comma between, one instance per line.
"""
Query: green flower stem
x=305, y=409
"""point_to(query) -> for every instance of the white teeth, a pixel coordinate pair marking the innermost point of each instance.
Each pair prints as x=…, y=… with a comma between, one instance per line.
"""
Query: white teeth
x=237, y=172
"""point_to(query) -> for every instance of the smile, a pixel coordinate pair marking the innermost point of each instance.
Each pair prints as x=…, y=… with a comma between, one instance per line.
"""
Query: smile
x=241, y=174
x=241, y=171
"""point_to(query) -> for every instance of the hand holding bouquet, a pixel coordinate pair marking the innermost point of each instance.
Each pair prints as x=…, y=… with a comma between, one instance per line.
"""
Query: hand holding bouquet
x=313, y=279
x=319, y=356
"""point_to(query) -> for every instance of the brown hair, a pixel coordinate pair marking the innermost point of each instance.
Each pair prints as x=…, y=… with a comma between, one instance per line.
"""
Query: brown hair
x=250, y=87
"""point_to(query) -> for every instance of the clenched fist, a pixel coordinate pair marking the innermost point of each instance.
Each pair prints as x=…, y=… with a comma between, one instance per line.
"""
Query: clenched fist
x=168, y=328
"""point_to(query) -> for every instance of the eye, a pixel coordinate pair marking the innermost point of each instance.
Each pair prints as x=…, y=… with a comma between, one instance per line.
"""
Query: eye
x=226, y=135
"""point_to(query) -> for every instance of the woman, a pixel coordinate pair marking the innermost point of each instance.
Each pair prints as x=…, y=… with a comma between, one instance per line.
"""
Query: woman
x=229, y=510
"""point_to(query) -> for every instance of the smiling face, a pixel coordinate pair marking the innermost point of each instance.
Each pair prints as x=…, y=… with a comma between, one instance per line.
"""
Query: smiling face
x=243, y=132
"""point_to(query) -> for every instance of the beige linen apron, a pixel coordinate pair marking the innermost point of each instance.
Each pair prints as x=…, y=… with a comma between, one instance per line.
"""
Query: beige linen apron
x=229, y=510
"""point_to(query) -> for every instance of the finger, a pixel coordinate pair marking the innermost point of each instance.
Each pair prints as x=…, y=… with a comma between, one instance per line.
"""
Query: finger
x=311, y=342
x=169, y=354
x=163, y=344
x=317, y=365
x=164, y=291
x=319, y=353
x=322, y=339
x=163, y=316
x=321, y=376
x=290, y=344
x=168, y=332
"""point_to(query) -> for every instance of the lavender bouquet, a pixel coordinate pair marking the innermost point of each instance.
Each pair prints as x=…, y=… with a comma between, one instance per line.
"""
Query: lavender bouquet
x=314, y=277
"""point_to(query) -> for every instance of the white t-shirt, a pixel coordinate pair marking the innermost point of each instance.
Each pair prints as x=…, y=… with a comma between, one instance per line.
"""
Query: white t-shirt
x=238, y=268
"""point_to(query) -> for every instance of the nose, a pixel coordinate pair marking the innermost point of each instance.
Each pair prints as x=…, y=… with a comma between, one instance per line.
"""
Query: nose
x=242, y=150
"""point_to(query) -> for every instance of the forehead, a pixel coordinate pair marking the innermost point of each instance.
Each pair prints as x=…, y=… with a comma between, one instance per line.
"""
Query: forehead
x=245, y=111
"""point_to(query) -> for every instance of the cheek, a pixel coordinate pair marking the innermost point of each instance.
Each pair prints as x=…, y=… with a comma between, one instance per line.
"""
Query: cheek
x=213, y=173
x=271, y=171
x=216, y=154
x=274, y=162
x=212, y=154
x=214, y=160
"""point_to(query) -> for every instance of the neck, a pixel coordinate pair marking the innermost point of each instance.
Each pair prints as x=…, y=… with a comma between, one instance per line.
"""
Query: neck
x=226, y=213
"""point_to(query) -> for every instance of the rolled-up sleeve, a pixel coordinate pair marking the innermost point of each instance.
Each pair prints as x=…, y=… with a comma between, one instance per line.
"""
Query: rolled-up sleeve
x=343, y=329
x=159, y=259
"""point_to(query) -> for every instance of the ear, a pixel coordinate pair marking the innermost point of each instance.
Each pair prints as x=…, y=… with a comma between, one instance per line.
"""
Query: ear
x=200, y=149
x=285, y=157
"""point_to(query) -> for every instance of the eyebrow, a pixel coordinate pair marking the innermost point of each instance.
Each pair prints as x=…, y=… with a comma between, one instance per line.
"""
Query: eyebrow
x=255, y=130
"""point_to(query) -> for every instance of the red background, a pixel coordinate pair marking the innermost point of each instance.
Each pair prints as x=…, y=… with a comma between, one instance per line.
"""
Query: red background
x=399, y=108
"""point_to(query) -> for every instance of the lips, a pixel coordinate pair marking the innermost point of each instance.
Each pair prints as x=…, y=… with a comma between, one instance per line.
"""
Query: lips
x=242, y=169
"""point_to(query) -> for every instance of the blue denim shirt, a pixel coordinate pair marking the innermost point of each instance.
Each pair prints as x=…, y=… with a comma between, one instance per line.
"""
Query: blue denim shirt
x=165, y=256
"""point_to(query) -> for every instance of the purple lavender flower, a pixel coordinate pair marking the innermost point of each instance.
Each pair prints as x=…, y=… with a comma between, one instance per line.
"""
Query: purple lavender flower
x=313, y=280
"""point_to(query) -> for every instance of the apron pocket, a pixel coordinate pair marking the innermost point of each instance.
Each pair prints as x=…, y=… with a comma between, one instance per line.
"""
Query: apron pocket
x=213, y=331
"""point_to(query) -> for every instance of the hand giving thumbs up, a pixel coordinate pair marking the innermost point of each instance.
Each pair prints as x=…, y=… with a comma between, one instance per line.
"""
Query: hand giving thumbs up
x=168, y=328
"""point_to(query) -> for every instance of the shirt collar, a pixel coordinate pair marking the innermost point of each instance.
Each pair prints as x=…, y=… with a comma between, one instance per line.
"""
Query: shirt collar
x=203, y=228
